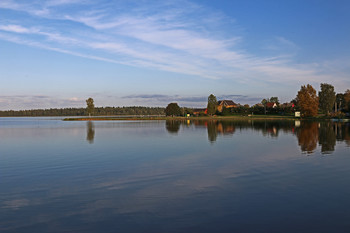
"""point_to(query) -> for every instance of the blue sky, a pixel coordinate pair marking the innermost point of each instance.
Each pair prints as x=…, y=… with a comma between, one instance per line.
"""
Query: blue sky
x=57, y=53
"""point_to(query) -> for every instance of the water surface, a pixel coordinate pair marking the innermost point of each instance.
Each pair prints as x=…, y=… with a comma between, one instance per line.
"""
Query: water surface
x=172, y=176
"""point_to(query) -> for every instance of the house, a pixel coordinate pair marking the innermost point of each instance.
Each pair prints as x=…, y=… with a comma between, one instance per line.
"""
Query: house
x=287, y=105
x=226, y=104
x=271, y=105
x=260, y=105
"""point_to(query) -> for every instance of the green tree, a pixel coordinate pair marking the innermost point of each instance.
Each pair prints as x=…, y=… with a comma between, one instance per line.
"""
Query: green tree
x=173, y=109
x=347, y=100
x=188, y=111
x=307, y=101
x=265, y=101
x=212, y=104
x=274, y=100
x=339, y=101
x=326, y=98
x=90, y=106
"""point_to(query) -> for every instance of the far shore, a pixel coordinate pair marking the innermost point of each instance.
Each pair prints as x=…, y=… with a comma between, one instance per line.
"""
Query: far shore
x=143, y=118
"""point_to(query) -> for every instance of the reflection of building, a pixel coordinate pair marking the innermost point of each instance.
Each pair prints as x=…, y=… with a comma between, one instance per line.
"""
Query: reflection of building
x=225, y=129
x=226, y=104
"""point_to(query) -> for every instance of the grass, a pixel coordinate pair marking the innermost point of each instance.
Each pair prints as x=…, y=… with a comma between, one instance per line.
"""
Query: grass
x=128, y=118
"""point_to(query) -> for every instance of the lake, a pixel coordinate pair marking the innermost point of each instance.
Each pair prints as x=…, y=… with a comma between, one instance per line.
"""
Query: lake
x=174, y=176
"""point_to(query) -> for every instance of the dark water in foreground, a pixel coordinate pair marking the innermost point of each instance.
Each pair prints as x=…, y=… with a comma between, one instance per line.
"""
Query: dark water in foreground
x=157, y=176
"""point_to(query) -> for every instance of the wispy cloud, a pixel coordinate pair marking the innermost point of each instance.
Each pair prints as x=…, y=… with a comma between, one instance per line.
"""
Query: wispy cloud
x=184, y=38
x=14, y=28
x=191, y=100
x=15, y=102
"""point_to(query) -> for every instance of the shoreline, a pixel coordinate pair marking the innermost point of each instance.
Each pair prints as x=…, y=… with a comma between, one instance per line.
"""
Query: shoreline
x=255, y=117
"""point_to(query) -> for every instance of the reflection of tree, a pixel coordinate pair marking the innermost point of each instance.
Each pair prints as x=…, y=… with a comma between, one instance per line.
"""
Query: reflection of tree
x=172, y=126
x=326, y=133
x=342, y=132
x=212, y=131
x=346, y=133
x=326, y=137
x=308, y=136
x=90, y=132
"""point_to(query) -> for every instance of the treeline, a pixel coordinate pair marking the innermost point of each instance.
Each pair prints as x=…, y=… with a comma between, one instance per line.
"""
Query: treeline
x=282, y=109
x=98, y=111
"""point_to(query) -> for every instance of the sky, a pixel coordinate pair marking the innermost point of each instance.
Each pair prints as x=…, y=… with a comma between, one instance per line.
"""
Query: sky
x=58, y=53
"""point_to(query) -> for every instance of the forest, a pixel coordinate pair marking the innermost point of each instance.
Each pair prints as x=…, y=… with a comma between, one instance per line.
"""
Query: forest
x=98, y=111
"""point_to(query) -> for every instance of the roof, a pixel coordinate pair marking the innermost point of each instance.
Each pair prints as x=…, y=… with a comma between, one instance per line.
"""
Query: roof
x=270, y=104
x=226, y=102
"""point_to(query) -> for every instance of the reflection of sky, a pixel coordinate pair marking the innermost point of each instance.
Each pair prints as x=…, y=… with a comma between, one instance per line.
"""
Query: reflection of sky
x=137, y=176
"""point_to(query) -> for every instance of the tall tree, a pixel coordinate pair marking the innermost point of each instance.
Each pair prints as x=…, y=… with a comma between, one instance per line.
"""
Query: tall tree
x=212, y=104
x=274, y=100
x=339, y=101
x=90, y=106
x=347, y=100
x=326, y=97
x=307, y=101
x=173, y=109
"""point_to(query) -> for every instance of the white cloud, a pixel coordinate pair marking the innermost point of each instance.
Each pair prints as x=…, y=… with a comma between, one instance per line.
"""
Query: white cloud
x=163, y=36
x=15, y=28
x=52, y=3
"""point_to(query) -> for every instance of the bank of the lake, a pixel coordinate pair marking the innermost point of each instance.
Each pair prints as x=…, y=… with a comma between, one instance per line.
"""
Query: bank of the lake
x=118, y=118
x=234, y=117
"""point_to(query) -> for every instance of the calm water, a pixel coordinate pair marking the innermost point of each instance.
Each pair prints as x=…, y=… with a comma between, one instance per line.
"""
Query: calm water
x=158, y=176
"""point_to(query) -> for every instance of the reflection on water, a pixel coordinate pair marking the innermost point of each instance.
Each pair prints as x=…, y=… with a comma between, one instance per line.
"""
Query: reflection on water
x=90, y=132
x=173, y=126
x=174, y=177
x=309, y=133
x=212, y=128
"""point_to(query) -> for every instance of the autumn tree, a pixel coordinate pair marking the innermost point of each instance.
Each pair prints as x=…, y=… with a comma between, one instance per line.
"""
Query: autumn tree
x=326, y=98
x=173, y=109
x=307, y=101
x=90, y=106
x=212, y=104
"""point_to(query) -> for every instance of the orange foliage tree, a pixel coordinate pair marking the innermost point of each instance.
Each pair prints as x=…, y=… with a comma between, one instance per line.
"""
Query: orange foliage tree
x=308, y=101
